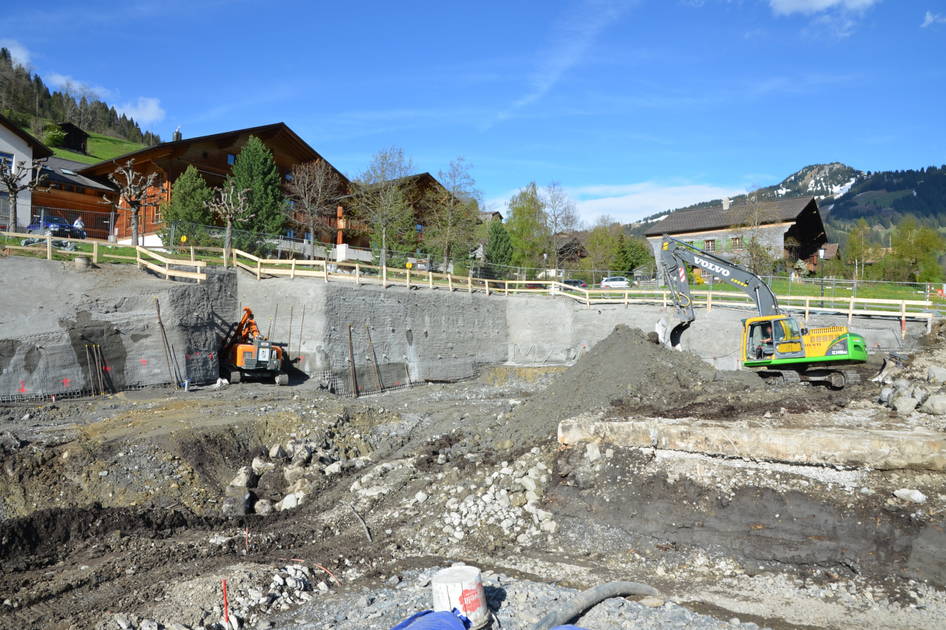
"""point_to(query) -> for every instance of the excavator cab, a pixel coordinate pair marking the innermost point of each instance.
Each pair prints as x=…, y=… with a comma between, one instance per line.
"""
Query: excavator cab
x=768, y=339
x=247, y=353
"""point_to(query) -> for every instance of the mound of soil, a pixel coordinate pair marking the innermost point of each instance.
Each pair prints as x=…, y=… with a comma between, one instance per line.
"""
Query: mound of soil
x=624, y=366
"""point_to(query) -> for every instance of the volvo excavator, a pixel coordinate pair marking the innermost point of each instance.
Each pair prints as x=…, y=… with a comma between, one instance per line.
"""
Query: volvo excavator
x=773, y=343
x=247, y=353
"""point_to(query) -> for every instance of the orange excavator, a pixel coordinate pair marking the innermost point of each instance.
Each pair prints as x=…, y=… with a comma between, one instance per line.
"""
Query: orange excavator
x=247, y=353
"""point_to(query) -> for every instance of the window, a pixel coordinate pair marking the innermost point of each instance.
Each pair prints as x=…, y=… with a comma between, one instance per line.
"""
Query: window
x=709, y=245
x=231, y=159
x=736, y=242
x=290, y=233
x=6, y=158
x=157, y=213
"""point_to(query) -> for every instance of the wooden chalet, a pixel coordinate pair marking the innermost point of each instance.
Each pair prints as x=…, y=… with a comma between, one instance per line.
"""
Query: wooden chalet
x=68, y=195
x=213, y=156
x=76, y=138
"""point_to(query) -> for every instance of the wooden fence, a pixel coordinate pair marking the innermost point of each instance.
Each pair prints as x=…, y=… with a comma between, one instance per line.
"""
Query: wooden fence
x=360, y=273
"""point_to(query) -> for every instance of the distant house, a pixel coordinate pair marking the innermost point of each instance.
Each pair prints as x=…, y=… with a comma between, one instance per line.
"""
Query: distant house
x=17, y=146
x=213, y=155
x=789, y=229
x=76, y=139
x=68, y=195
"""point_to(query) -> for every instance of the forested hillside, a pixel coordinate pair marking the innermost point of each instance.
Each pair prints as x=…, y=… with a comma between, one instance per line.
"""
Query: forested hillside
x=886, y=197
x=28, y=101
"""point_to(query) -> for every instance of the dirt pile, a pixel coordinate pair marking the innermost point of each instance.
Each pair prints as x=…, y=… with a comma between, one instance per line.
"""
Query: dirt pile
x=624, y=366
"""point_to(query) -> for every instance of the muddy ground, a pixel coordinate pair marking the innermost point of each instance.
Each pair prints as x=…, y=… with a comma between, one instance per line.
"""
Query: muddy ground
x=124, y=508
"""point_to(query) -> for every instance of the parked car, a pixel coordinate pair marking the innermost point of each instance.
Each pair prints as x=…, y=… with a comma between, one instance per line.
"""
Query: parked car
x=615, y=282
x=574, y=282
x=56, y=226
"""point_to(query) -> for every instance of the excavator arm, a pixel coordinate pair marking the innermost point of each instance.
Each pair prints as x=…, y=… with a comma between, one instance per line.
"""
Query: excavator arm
x=673, y=258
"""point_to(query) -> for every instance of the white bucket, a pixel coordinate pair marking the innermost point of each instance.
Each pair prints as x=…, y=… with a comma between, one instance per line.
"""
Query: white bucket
x=461, y=587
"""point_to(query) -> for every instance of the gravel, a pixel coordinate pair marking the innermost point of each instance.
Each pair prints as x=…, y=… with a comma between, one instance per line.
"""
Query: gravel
x=516, y=603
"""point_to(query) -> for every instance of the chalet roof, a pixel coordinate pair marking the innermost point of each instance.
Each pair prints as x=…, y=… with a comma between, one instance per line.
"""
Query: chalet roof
x=715, y=217
x=163, y=148
x=68, y=126
x=40, y=150
x=830, y=251
x=65, y=171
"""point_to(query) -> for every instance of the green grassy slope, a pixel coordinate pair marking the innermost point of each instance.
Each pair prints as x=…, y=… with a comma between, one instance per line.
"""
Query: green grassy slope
x=100, y=148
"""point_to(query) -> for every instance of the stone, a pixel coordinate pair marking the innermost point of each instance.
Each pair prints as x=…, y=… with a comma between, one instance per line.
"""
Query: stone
x=421, y=496
x=333, y=468
x=651, y=602
x=592, y=452
x=294, y=473
x=261, y=465
x=528, y=483
x=245, y=477
x=122, y=621
x=936, y=374
x=290, y=501
x=935, y=405
x=277, y=452
x=904, y=405
x=910, y=494
x=148, y=624
x=885, y=393
x=263, y=507
x=238, y=501
x=517, y=499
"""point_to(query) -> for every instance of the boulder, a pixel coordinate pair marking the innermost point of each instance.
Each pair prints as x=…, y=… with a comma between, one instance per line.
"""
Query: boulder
x=935, y=404
x=293, y=473
x=936, y=374
x=263, y=507
x=271, y=485
x=290, y=501
x=245, y=478
x=904, y=405
x=910, y=494
x=261, y=465
x=238, y=501
x=277, y=452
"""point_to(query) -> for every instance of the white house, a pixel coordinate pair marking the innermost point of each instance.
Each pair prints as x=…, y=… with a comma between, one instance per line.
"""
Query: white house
x=17, y=146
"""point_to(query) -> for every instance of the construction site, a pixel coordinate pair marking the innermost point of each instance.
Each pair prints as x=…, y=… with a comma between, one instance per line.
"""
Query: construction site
x=307, y=448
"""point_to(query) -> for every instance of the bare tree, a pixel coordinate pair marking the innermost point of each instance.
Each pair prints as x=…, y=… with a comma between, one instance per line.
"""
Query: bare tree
x=134, y=189
x=17, y=178
x=752, y=218
x=560, y=216
x=314, y=190
x=454, y=216
x=229, y=204
x=381, y=203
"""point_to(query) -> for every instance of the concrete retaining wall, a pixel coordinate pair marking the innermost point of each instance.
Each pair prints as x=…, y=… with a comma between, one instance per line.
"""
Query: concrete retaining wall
x=50, y=312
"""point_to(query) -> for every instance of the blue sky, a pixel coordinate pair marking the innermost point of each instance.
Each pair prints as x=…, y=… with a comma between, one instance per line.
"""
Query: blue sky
x=634, y=107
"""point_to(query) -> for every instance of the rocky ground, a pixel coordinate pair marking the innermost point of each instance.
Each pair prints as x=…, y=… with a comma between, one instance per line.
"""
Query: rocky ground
x=328, y=512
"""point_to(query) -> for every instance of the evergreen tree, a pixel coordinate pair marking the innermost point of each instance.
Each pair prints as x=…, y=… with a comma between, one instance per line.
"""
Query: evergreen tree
x=255, y=172
x=498, y=250
x=527, y=227
x=632, y=254
x=190, y=195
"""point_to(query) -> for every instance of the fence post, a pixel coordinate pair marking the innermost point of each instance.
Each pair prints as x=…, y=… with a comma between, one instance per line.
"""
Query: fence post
x=450, y=282
x=292, y=270
x=430, y=279
x=486, y=282
x=663, y=298
x=95, y=253
x=167, y=271
x=506, y=288
x=903, y=320
x=357, y=274
x=192, y=254
x=384, y=275
x=625, y=297
x=807, y=303
x=709, y=301
x=325, y=269
x=850, y=311
x=49, y=247
x=469, y=283
x=407, y=278
x=259, y=268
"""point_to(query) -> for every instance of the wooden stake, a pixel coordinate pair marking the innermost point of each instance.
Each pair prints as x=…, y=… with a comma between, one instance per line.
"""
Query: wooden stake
x=289, y=343
x=301, y=323
x=352, y=375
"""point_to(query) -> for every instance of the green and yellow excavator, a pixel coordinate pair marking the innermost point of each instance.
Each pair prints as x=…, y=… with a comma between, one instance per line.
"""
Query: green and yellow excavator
x=773, y=343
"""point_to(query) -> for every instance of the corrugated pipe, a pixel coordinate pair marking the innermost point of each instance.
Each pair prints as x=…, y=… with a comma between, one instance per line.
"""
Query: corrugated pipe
x=590, y=598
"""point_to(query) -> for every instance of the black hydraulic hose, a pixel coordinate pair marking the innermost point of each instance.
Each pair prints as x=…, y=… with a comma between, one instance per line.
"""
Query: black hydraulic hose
x=590, y=598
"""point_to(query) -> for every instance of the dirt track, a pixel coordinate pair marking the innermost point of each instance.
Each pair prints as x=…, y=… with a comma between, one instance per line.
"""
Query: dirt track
x=114, y=505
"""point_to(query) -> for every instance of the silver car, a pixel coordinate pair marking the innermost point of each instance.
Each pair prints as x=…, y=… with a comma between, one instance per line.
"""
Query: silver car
x=615, y=282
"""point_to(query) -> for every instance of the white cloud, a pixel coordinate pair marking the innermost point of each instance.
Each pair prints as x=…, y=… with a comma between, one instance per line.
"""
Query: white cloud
x=145, y=111
x=932, y=18
x=18, y=52
x=809, y=7
x=630, y=202
x=75, y=86
x=573, y=36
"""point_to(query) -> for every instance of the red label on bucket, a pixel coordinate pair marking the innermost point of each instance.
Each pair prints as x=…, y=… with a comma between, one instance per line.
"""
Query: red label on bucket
x=470, y=600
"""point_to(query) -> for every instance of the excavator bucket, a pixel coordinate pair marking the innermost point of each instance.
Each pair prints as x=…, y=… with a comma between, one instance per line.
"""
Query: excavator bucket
x=676, y=333
x=671, y=336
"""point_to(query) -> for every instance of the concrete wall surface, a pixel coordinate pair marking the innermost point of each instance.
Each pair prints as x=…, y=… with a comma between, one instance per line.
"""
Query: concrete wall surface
x=50, y=312
x=437, y=335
